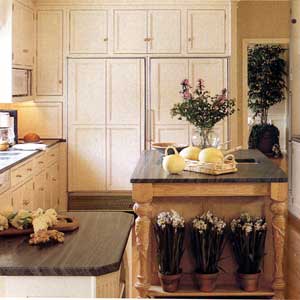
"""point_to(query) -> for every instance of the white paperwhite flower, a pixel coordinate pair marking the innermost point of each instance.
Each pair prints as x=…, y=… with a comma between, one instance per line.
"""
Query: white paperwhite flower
x=247, y=227
x=172, y=218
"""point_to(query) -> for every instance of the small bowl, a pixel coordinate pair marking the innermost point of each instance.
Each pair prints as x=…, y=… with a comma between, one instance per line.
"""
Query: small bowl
x=161, y=147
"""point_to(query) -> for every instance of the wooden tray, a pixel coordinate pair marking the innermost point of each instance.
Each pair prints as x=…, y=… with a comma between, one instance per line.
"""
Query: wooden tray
x=64, y=224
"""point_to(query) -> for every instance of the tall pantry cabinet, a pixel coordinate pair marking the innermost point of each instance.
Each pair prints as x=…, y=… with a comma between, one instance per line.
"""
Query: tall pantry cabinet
x=106, y=102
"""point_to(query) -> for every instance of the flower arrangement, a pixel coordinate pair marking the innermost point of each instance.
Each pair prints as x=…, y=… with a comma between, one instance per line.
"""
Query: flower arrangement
x=169, y=233
x=200, y=108
x=248, y=236
x=208, y=241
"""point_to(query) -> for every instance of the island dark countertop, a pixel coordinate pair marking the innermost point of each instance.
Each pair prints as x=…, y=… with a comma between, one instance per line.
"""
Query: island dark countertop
x=149, y=170
x=96, y=248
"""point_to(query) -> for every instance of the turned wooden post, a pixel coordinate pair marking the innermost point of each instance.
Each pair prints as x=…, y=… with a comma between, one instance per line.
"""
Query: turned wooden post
x=278, y=207
x=142, y=196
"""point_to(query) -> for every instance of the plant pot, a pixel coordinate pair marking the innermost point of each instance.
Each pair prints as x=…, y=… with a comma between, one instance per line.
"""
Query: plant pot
x=206, y=282
x=169, y=283
x=248, y=282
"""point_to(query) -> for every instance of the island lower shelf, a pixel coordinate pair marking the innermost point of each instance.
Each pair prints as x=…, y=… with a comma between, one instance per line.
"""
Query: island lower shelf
x=220, y=291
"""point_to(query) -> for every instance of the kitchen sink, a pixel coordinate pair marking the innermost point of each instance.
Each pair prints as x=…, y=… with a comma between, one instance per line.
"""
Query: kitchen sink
x=246, y=161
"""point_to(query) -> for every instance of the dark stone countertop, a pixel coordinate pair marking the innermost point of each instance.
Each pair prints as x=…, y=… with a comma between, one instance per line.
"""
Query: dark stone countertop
x=24, y=155
x=96, y=248
x=149, y=170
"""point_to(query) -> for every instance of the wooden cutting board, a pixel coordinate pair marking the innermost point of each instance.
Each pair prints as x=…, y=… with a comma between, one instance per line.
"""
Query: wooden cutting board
x=64, y=224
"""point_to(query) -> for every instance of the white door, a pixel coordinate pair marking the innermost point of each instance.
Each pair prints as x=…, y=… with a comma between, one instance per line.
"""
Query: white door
x=49, y=53
x=214, y=73
x=130, y=31
x=87, y=158
x=88, y=31
x=207, y=31
x=164, y=31
x=124, y=148
x=125, y=91
x=87, y=92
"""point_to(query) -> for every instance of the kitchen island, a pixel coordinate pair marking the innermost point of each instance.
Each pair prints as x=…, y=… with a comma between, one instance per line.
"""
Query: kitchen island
x=259, y=188
x=86, y=265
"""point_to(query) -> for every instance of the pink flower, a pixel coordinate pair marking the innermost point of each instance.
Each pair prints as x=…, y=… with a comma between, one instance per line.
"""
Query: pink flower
x=185, y=82
x=187, y=95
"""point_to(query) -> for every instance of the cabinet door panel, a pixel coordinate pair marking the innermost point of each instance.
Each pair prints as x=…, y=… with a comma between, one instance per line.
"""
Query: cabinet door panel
x=206, y=31
x=87, y=158
x=23, y=196
x=124, y=151
x=166, y=76
x=125, y=91
x=130, y=30
x=87, y=89
x=40, y=190
x=49, y=53
x=52, y=187
x=88, y=31
x=176, y=134
x=5, y=200
x=165, y=31
x=28, y=27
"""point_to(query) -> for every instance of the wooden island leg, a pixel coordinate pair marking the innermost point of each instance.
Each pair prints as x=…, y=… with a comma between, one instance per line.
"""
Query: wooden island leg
x=142, y=196
x=279, y=199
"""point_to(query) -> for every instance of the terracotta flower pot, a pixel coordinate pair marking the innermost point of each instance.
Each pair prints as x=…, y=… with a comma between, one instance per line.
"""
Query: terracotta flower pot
x=206, y=282
x=248, y=282
x=169, y=283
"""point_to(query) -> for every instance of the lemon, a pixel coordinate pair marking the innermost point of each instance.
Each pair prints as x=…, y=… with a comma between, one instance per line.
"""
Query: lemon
x=211, y=155
x=190, y=152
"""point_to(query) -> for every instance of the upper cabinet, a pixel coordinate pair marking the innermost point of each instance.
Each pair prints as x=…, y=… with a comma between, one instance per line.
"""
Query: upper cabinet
x=49, y=53
x=130, y=31
x=207, y=31
x=142, y=31
x=23, y=35
x=88, y=31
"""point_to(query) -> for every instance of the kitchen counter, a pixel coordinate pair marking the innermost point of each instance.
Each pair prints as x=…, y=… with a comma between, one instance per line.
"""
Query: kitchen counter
x=8, y=161
x=96, y=248
x=149, y=170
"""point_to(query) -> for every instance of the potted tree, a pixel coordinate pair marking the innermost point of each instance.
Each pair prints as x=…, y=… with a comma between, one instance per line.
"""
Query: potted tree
x=169, y=234
x=248, y=236
x=207, y=240
x=266, y=82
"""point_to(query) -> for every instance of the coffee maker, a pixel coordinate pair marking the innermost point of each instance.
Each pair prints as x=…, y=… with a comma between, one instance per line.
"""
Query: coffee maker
x=9, y=126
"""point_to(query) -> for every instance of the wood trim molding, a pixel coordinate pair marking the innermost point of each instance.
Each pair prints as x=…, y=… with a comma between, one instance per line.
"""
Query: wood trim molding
x=246, y=43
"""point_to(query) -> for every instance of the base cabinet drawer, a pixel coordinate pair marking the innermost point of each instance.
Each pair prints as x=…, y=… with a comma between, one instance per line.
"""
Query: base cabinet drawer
x=21, y=173
x=52, y=155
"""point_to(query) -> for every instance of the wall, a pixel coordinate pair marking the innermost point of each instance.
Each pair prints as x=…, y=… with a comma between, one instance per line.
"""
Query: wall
x=258, y=20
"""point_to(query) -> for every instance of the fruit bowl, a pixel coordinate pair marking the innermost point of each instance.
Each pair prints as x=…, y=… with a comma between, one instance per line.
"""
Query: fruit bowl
x=161, y=147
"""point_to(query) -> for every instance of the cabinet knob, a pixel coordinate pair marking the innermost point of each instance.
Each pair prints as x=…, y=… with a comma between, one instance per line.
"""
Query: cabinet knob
x=41, y=189
x=60, y=81
x=18, y=176
x=29, y=169
x=25, y=50
x=41, y=162
x=190, y=39
x=146, y=39
x=105, y=39
x=26, y=202
x=53, y=179
x=294, y=21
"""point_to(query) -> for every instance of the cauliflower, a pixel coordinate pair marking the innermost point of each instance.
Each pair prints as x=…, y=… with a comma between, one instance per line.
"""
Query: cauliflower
x=37, y=213
x=40, y=223
x=22, y=220
x=7, y=212
x=3, y=223
x=52, y=214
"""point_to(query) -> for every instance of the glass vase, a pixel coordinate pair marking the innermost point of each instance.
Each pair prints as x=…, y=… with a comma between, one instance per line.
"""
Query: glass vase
x=204, y=138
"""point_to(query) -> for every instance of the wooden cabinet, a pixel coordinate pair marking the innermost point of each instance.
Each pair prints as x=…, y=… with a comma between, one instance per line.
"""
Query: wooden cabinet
x=166, y=76
x=40, y=190
x=101, y=119
x=143, y=31
x=52, y=196
x=164, y=31
x=23, y=196
x=6, y=199
x=23, y=35
x=130, y=31
x=49, y=53
x=207, y=31
x=88, y=31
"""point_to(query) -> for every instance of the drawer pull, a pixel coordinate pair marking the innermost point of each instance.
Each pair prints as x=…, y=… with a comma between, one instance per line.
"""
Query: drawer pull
x=18, y=176
x=41, y=162
x=53, y=179
x=29, y=169
x=41, y=189
x=105, y=39
x=26, y=202
x=1, y=185
x=25, y=50
x=52, y=155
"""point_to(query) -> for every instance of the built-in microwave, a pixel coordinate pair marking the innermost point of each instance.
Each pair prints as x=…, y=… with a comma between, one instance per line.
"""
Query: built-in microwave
x=22, y=82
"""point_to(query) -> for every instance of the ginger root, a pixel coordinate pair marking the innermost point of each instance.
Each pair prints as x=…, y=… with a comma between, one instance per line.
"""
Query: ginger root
x=46, y=236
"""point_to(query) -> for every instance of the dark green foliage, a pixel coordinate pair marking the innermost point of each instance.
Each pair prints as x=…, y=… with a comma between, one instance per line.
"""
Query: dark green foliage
x=266, y=78
x=169, y=242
